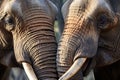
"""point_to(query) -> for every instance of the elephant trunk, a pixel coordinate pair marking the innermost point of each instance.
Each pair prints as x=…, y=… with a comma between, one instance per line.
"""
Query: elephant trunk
x=79, y=40
x=66, y=50
x=37, y=45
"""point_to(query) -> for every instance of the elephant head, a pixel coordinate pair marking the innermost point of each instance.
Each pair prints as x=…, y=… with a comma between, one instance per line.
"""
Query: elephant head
x=29, y=24
x=84, y=22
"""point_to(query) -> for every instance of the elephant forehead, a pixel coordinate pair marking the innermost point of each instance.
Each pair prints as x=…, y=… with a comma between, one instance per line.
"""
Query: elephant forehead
x=18, y=5
x=99, y=6
x=90, y=6
x=37, y=2
x=9, y=6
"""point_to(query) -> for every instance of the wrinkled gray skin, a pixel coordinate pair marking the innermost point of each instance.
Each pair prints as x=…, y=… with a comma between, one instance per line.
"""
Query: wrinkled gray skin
x=30, y=23
x=90, y=38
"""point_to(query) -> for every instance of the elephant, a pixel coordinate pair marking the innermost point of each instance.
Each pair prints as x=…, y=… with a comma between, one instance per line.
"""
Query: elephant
x=90, y=39
x=29, y=30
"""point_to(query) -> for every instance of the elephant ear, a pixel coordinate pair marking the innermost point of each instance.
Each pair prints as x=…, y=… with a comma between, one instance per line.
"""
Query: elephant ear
x=65, y=8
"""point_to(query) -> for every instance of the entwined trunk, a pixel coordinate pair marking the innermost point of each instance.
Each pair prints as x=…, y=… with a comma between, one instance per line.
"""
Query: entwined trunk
x=71, y=40
x=38, y=44
x=79, y=39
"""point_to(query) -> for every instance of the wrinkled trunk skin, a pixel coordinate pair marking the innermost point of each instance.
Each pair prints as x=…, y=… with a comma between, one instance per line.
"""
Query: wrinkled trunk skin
x=37, y=44
x=75, y=42
x=78, y=36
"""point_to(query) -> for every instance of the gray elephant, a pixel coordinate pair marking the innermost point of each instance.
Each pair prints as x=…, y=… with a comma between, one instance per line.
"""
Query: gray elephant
x=30, y=26
x=90, y=39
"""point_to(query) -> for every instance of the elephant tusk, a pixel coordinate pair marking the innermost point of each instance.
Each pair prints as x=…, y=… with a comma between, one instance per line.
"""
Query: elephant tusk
x=29, y=71
x=73, y=69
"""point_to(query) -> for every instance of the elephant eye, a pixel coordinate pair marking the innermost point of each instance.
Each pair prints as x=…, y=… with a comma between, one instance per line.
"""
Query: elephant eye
x=9, y=21
x=102, y=21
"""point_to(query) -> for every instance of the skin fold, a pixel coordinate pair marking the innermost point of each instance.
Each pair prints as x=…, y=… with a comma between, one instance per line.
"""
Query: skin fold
x=86, y=42
x=30, y=26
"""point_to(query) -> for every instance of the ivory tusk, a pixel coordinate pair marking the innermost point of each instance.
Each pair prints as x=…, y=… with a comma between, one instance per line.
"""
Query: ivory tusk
x=29, y=71
x=73, y=69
